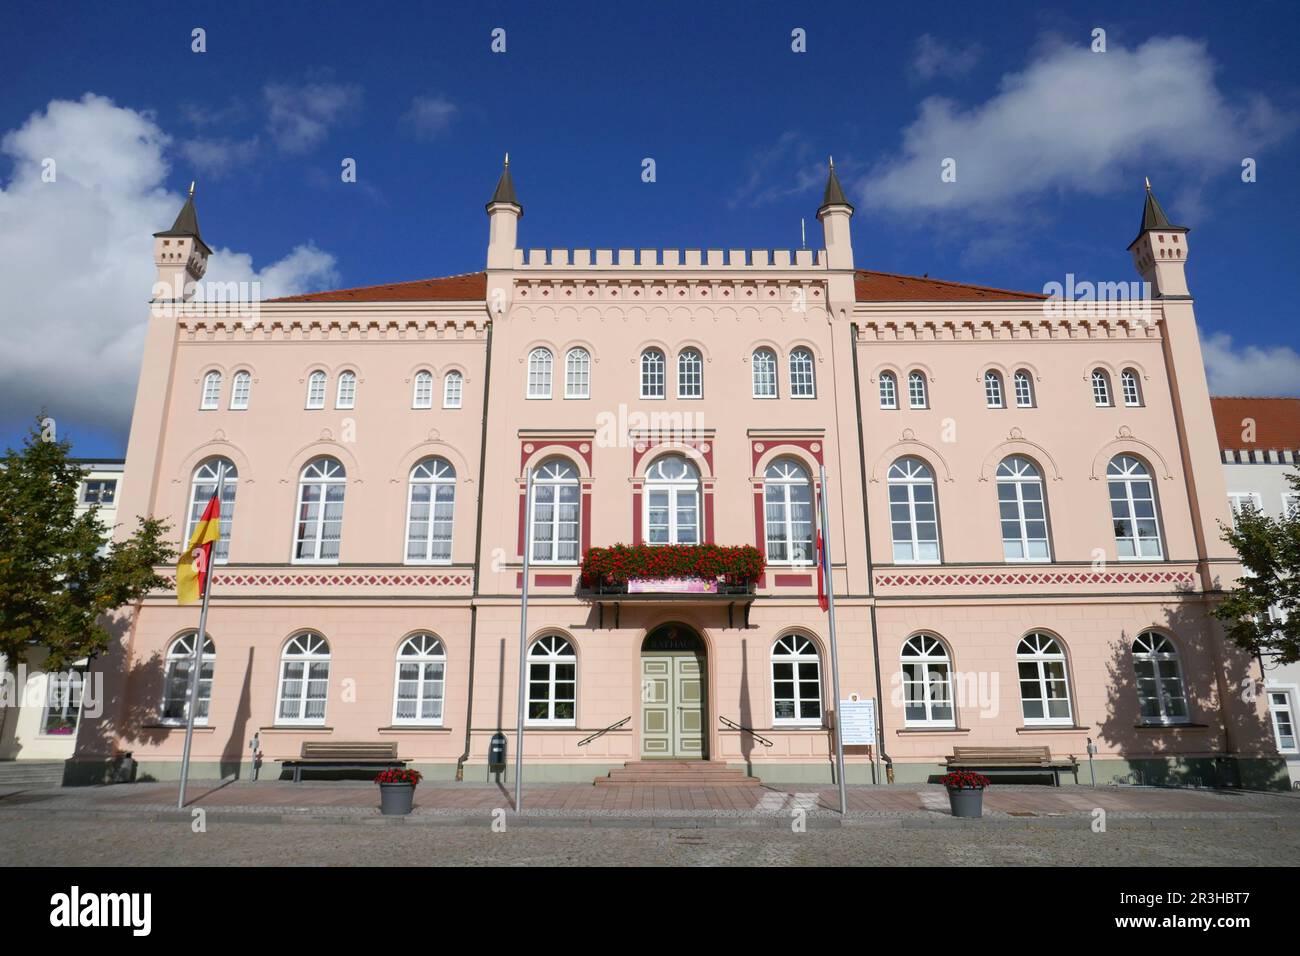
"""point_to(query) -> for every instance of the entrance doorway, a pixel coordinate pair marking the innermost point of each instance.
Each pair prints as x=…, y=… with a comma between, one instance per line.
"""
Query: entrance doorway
x=673, y=701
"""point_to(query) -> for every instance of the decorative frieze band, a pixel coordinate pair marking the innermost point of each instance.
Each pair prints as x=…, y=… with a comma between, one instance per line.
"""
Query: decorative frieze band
x=1178, y=578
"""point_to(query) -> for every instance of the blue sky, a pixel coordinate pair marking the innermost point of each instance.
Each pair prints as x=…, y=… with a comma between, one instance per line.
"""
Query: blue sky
x=1051, y=141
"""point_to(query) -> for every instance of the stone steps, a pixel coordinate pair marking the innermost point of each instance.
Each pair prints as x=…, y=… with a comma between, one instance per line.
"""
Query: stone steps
x=676, y=773
x=31, y=773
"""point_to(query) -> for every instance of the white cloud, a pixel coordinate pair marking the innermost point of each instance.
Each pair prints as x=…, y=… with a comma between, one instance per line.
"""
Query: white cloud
x=1074, y=120
x=76, y=259
x=216, y=156
x=935, y=57
x=430, y=116
x=1250, y=369
x=788, y=167
x=300, y=116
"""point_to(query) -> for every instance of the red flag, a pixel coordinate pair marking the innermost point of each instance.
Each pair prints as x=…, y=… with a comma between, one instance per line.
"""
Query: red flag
x=823, y=573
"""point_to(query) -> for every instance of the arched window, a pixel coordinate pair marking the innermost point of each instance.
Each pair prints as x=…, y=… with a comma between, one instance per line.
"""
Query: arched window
x=320, y=512
x=1022, y=511
x=241, y=388
x=652, y=374
x=913, y=517
x=203, y=485
x=304, y=680
x=552, y=682
x=347, y=391
x=796, y=681
x=539, y=373
x=421, y=678
x=672, y=501
x=690, y=374
x=176, y=679
x=430, y=508
x=555, y=512
x=1161, y=698
x=764, y=371
x=316, y=389
x=927, y=682
x=1128, y=381
x=1044, y=689
x=916, y=397
x=577, y=374
x=453, y=385
x=1133, y=508
x=803, y=381
x=211, y=391
x=888, y=390
x=993, y=390
x=787, y=493
x=1100, y=388
x=1024, y=389
x=423, y=396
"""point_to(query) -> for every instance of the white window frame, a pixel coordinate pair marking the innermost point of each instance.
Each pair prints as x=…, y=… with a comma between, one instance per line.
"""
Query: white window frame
x=317, y=382
x=1025, y=394
x=1131, y=477
x=1035, y=648
x=1131, y=388
x=888, y=391
x=690, y=374
x=1237, y=498
x=1165, y=665
x=1290, y=504
x=780, y=479
x=917, y=391
x=304, y=648
x=435, y=473
x=658, y=480
x=328, y=473
x=803, y=373
x=203, y=485
x=764, y=378
x=653, y=374
x=346, y=393
x=540, y=364
x=422, y=389
x=453, y=389
x=67, y=690
x=577, y=373
x=180, y=655
x=211, y=397
x=993, y=392
x=1018, y=473
x=548, y=652
x=241, y=390
x=554, y=477
x=1288, y=706
x=429, y=652
x=910, y=478
x=932, y=654
x=801, y=654
x=1102, y=397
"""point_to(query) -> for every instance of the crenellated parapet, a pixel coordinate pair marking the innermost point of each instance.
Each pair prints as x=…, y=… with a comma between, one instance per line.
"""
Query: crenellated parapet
x=665, y=259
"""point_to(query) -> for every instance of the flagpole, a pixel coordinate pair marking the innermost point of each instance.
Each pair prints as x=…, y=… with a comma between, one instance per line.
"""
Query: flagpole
x=196, y=664
x=823, y=514
x=523, y=638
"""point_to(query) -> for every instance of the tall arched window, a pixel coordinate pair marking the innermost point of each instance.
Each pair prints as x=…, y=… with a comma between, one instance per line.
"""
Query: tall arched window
x=347, y=391
x=1133, y=508
x=1024, y=389
x=577, y=374
x=203, y=485
x=319, y=528
x=1128, y=381
x=430, y=509
x=993, y=390
x=927, y=682
x=316, y=389
x=423, y=395
x=803, y=380
x=552, y=682
x=555, y=512
x=916, y=397
x=672, y=501
x=1161, y=697
x=888, y=390
x=1044, y=689
x=787, y=494
x=211, y=391
x=764, y=373
x=652, y=374
x=176, y=679
x=690, y=374
x=539, y=373
x=241, y=388
x=420, y=681
x=453, y=386
x=913, y=514
x=796, y=681
x=304, y=680
x=1022, y=511
x=1100, y=388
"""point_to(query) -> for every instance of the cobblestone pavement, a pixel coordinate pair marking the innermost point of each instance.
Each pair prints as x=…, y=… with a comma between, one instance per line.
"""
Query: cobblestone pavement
x=38, y=839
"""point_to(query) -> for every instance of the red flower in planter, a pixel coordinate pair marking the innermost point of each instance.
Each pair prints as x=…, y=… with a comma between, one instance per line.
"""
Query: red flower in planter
x=413, y=777
x=616, y=564
x=965, y=780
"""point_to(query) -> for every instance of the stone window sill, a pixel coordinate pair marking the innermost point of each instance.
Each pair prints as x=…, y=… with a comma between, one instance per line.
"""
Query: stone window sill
x=932, y=730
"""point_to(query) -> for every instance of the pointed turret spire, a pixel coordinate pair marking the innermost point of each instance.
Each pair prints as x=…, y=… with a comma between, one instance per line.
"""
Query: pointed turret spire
x=505, y=191
x=834, y=195
x=187, y=222
x=1153, y=216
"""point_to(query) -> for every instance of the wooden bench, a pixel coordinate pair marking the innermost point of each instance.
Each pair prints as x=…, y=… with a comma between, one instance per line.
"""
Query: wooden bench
x=1019, y=760
x=322, y=755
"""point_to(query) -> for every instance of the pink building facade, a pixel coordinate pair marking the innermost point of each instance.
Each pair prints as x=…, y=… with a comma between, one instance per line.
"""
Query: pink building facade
x=1024, y=497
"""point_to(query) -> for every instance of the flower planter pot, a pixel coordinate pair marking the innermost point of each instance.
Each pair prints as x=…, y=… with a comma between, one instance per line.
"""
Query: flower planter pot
x=396, y=799
x=966, y=801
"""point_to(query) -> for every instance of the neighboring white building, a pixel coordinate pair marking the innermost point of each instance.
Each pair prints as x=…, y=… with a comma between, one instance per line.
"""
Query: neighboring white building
x=1260, y=443
x=44, y=727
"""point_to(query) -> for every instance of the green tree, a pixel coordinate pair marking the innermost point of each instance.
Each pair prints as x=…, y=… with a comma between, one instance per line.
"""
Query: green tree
x=57, y=576
x=1270, y=550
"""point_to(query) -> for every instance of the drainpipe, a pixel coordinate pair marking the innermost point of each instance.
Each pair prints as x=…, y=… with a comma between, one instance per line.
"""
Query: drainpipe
x=866, y=524
x=478, y=559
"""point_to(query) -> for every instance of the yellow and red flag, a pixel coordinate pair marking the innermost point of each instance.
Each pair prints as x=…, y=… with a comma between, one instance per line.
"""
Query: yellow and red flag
x=192, y=569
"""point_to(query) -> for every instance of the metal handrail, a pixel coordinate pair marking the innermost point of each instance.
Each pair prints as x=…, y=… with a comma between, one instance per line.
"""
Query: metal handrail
x=735, y=726
x=586, y=740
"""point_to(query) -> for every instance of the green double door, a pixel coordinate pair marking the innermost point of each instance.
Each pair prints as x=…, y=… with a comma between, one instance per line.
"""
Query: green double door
x=672, y=705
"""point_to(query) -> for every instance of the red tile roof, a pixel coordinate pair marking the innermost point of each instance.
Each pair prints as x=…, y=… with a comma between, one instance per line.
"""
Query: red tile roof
x=891, y=287
x=1277, y=423
x=469, y=287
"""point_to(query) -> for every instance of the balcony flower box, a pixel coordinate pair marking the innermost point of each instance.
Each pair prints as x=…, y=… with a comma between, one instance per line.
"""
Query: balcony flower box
x=672, y=568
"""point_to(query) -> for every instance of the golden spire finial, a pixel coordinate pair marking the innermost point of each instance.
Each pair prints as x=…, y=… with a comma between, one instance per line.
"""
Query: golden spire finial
x=1148, y=181
x=191, y=189
x=507, y=160
x=832, y=161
